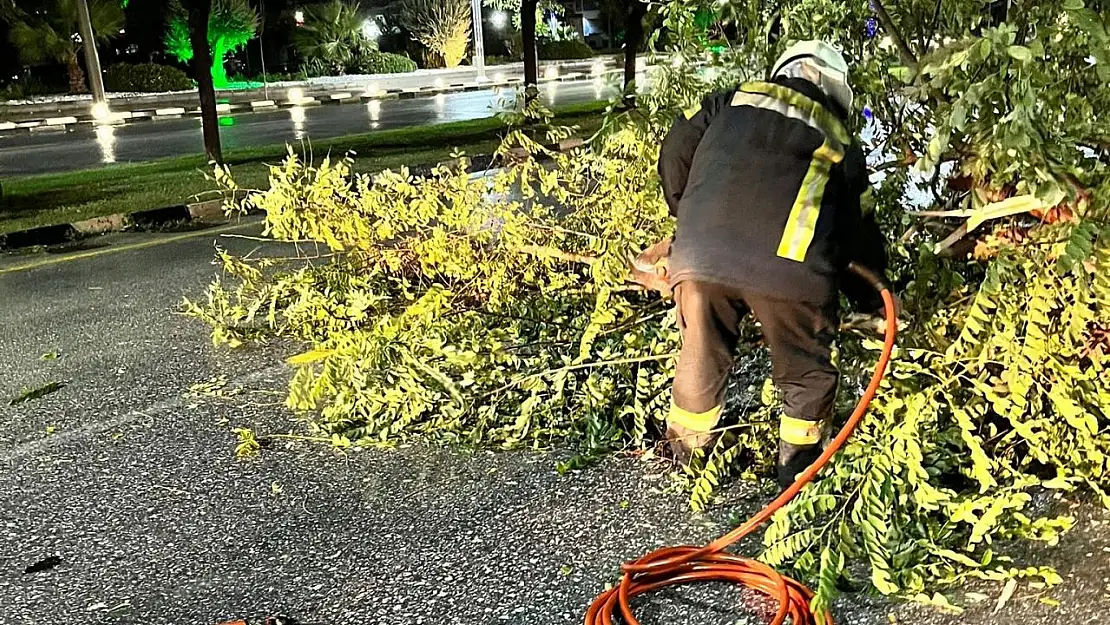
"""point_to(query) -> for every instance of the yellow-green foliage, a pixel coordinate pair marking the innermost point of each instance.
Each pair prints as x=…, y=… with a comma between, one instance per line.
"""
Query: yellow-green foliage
x=445, y=308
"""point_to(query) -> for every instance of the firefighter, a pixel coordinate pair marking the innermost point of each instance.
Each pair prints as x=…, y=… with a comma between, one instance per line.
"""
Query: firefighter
x=765, y=181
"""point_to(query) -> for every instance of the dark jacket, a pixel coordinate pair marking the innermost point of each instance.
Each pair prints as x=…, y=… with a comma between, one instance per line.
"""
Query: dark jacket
x=765, y=181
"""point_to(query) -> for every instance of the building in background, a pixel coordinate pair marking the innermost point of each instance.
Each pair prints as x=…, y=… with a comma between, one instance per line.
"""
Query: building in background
x=588, y=20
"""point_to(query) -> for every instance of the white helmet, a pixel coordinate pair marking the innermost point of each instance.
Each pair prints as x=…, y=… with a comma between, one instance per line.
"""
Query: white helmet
x=819, y=63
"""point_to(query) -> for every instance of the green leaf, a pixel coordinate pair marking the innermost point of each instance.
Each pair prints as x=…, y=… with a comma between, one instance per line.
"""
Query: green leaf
x=1021, y=53
x=901, y=73
x=1073, y=5
x=309, y=357
x=985, y=48
x=1049, y=601
x=958, y=120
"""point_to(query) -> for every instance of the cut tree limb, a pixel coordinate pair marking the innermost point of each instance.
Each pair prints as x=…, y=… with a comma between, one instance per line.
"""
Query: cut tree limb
x=943, y=248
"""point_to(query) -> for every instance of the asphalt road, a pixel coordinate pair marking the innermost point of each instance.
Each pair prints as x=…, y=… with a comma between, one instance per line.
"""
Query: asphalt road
x=133, y=484
x=86, y=146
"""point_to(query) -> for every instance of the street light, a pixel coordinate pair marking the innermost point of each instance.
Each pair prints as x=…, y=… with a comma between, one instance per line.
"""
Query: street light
x=479, y=61
x=101, y=112
x=499, y=19
x=298, y=17
x=92, y=60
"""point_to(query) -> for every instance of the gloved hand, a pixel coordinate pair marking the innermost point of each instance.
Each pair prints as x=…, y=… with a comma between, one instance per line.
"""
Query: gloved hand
x=876, y=321
x=649, y=268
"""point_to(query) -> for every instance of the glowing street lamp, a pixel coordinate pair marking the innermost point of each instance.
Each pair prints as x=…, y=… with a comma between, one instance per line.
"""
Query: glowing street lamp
x=499, y=19
x=298, y=17
x=101, y=112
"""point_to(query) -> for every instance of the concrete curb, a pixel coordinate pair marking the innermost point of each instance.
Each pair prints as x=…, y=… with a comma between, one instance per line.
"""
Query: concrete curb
x=310, y=98
x=59, y=234
x=210, y=211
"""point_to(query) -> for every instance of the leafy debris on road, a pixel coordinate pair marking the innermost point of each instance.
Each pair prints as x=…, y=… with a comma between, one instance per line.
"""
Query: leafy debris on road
x=43, y=565
x=51, y=356
x=248, y=444
x=216, y=387
x=42, y=391
x=1007, y=592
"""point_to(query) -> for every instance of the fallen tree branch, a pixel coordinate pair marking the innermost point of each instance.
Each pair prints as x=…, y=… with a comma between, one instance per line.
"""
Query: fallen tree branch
x=551, y=252
x=587, y=365
x=944, y=247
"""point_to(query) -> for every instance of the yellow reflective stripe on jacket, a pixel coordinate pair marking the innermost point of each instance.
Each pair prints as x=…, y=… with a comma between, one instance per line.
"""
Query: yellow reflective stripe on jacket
x=799, y=431
x=696, y=421
x=797, y=106
x=690, y=112
x=802, y=221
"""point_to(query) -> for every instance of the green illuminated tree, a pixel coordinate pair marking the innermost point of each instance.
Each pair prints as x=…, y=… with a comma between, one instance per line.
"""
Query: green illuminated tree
x=231, y=24
x=45, y=32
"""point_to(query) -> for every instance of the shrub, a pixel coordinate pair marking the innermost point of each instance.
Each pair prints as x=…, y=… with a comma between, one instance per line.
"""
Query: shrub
x=442, y=26
x=267, y=77
x=500, y=60
x=29, y=88
x=376, y=62
x=146, y=77
x=565, y=49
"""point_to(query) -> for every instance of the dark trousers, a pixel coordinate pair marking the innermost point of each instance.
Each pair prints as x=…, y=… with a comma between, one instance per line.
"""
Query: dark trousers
x=799, y=335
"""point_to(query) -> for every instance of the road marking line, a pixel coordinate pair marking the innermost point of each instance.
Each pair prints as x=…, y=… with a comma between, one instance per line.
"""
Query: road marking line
x=28, y=448
x=125, y=248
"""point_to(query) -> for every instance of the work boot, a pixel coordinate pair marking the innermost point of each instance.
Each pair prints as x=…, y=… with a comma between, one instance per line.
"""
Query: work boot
x=801, y=442
x=683, y=442
x=689, y=431
x=794, y=459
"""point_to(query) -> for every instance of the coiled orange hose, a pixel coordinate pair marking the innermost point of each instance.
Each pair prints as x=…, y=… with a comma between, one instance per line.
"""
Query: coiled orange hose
x=671, y=566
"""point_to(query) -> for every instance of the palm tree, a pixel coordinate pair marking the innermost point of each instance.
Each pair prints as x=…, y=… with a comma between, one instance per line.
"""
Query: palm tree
x=49, y=32
x=331, y=34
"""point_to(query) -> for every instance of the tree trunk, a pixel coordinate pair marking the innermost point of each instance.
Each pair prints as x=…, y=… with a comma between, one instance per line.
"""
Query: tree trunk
x=528, y=37
x=76, y=74
x=199, y=11
x=219, y=72
x=634, y=35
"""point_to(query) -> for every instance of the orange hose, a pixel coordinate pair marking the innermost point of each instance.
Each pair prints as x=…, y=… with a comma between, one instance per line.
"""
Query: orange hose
x=671, y=566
